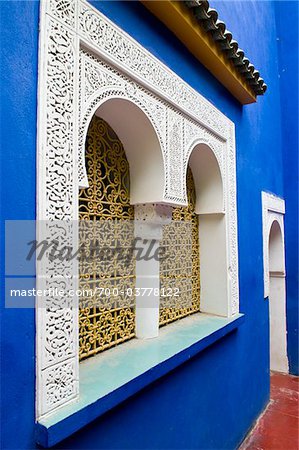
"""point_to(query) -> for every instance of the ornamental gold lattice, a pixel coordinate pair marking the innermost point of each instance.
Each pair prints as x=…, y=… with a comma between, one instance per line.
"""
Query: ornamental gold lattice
x=106, y=204
x=104, y=207
x=180, y=270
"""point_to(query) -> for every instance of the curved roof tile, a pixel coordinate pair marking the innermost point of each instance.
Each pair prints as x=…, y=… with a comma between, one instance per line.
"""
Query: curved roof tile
x=208, y=18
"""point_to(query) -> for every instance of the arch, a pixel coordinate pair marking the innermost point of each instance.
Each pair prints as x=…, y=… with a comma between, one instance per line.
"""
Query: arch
x=141, y=142
x=277, y=297
x=105, y=323
x=276, y=252
x=214, y=274
x=207, y=178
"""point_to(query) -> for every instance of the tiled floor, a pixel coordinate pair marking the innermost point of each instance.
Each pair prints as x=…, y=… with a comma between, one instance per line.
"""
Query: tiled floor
x=277, y=428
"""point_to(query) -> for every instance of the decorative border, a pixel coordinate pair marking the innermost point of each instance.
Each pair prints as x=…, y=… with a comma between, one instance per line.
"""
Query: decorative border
x=85, y=59
x=273, y=208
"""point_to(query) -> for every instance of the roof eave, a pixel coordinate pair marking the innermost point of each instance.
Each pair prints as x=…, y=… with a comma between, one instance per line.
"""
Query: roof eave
x=183, y=23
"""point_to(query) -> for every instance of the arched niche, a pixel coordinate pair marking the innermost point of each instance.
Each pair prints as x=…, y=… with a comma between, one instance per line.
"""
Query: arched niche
x=207, y=179
x=276, y=252
x=214, y=270
x=277, y=299
x=142, y=147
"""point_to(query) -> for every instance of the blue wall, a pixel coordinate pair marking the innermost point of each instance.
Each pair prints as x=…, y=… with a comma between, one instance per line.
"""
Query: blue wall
x=19, y=47
x=288, y=73
x=211, y=401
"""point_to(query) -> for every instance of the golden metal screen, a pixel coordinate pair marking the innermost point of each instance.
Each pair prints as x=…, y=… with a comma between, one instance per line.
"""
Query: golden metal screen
x=180, y=270
x=106, y=202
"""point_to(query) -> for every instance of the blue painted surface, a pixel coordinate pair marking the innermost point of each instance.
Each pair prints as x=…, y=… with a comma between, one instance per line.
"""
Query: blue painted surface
x=288, y=72
x=19, y=47
x=212, y=400
x=107, y=381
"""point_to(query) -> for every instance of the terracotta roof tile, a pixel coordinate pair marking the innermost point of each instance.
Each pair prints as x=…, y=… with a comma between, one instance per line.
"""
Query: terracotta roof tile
x=208, y=19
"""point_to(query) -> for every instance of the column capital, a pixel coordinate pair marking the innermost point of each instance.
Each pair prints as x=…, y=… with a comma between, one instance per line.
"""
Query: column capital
x=150, y=218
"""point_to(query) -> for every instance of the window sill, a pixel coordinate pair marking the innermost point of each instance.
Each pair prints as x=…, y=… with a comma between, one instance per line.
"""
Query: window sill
x=110, y=378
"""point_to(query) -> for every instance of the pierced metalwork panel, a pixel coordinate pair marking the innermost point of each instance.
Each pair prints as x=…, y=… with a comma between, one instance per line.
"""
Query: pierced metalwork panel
x=180, y=270
x=106, y=320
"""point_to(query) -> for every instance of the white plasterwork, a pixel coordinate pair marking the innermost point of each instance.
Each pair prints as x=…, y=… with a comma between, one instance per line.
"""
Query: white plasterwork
x=84, y=60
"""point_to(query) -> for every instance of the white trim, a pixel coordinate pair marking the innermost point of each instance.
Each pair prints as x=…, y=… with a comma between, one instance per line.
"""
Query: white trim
x=73, y=33
x=274, y=278
x=273, y=208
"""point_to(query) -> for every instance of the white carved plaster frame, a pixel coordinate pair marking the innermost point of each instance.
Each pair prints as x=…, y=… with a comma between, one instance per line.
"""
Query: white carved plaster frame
x=73, y=34
x=273, y=209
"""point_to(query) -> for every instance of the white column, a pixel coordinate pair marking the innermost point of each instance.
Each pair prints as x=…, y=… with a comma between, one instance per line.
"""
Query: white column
x=278, y=332
x=149, y=220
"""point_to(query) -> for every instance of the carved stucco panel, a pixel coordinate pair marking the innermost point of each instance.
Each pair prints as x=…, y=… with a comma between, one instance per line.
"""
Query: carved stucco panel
x=122, y=49
x=174, y=177
x=64, y=10
x=57, y=330
x=59, y=384
x=99, y=82
x=231, y=195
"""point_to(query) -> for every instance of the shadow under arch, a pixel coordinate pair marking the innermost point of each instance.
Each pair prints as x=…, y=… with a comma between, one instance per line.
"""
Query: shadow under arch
x=142, y=147
x=214, y=269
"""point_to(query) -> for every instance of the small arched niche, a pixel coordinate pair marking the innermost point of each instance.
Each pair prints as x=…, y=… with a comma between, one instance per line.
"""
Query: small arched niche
x=277, y=300
x=276, y=253
x=207, y=179
x=142, y=148
x=214, y=272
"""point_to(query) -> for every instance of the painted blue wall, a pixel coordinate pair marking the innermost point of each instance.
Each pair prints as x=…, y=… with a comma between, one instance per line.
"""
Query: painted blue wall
x=286, y=35
x=288, y=72
x=211, y=401
x=19, y=47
